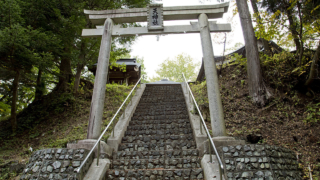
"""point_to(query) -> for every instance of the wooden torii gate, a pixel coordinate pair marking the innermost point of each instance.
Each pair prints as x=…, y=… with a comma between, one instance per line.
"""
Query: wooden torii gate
x=155, y=14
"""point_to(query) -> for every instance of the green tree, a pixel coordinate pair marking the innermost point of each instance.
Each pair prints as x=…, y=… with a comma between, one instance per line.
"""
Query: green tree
x=140, y=60
x=20, y=48
x=293, y=21
x=41, y=47
x=172, y=69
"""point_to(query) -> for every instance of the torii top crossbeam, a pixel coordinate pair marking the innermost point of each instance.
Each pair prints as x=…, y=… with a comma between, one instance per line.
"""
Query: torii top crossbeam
x=167, y=13
x=155, y=14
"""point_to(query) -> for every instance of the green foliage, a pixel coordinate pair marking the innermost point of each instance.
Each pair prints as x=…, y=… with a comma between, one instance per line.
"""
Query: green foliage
x=200, y=93
x=5, y=173
x=55, y=103
x=238, y=59
x=172, y=69
x=313, y=113
x=289, y=22
x=281, y=70
x=4, y=110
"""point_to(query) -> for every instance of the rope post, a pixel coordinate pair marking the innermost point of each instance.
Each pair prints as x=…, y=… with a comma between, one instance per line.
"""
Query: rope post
x=98, y=153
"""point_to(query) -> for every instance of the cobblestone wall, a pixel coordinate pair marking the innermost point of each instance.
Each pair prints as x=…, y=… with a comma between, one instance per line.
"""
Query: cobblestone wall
x=57, y=164
x=255, y=162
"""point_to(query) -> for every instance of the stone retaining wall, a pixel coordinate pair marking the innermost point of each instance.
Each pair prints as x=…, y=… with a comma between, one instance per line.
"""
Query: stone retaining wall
x=57, y=164
x=255, y=162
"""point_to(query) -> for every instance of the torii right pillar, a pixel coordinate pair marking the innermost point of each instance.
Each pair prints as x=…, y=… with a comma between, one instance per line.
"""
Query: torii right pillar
x=215, y=104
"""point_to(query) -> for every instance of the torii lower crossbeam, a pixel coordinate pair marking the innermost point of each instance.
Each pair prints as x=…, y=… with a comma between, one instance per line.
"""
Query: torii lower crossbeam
x=193, y=28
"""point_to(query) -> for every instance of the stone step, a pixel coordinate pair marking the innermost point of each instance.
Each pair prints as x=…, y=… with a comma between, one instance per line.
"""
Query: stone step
x=156, y=138
x=160, y=100
x=172, y=106
x=160, y=117
x=189, y=153
x=154, y=174
x=177, y=131
x=162, y=106
x=145, y=121
x=165, y=163
x=176, y=145
x=159, y=112
x=161, y=126
x=158, y=143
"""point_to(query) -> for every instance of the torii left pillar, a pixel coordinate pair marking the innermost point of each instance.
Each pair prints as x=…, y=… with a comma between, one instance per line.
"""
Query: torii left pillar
x=99, y=89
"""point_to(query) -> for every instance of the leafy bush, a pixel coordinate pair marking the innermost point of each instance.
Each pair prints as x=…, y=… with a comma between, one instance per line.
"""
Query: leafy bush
x=313, y=113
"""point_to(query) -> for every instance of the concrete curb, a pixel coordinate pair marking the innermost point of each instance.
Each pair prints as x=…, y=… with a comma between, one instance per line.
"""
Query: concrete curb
x=97, y=172
x=195, y=122
x=89, y=143
x=211, y=170
x=121, y=126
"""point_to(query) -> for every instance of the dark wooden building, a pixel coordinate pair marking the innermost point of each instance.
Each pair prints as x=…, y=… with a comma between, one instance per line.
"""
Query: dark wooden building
x=116, y=75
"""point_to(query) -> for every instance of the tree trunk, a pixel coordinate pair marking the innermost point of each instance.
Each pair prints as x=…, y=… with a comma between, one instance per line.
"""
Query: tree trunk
x=264, y=42
x=65, y=74
x=80, y=67
x=313, y=68
x=77, y=78
x=15, y=86
x=39, y=91
x=300, y=34
x=257, y=89
x=293, y=29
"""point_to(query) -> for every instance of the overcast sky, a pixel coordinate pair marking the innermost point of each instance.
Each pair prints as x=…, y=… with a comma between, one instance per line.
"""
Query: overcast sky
x=169, y=46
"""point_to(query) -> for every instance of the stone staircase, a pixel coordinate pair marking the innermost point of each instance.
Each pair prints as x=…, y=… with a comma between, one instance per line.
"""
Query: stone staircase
x=159, y=142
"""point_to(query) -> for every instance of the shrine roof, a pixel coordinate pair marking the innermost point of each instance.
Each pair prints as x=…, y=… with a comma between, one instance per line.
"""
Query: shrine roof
x=128, y=62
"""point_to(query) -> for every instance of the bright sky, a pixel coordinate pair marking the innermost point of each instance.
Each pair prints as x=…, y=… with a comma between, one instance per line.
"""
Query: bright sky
x=169, y=46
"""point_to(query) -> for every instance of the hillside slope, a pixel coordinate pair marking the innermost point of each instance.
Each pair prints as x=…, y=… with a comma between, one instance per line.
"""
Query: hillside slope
x=289, y=120
x=52, y=123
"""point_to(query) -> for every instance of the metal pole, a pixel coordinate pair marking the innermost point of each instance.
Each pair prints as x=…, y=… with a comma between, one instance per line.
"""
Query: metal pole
x=98, y=153
x=220, y=171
